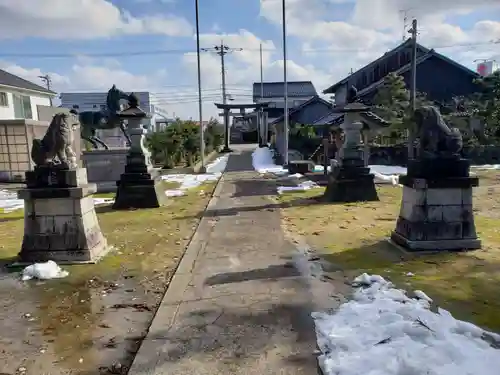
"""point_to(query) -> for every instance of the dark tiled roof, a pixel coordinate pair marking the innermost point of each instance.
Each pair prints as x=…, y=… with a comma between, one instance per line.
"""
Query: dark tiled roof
x=427, y=53
x=8, y=79
x=420, y=60
x=300, y=107
x=336, y=118
x=329, y=119
x=405, y=44
x=276, y=89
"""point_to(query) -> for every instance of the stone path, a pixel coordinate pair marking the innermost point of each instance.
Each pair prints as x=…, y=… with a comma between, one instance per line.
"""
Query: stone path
x=237, y=304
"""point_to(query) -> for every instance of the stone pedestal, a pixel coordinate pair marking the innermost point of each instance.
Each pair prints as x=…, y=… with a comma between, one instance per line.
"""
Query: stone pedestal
x=104, y=167
x=60, y=221
x=349, y=179
x=350, y=182
x=138, y=186
x=436, y=209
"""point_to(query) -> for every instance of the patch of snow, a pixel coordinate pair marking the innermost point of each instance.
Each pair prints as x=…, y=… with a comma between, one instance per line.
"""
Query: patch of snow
x=421, y=295
x=486, y=166
x=190, y=181
x=9, y=201
x=303, y=186
x=43, y=271
x=384, y=174
x=382, y=331
x=100, y=201
x=262, y=161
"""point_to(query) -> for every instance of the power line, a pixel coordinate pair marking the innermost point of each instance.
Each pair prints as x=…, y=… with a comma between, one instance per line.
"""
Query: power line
x=256, y=50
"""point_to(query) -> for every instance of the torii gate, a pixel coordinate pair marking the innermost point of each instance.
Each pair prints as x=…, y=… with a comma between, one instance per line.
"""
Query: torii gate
x=262, y=125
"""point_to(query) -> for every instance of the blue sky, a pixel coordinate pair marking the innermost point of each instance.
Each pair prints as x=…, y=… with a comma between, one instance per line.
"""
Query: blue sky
x=326, y=39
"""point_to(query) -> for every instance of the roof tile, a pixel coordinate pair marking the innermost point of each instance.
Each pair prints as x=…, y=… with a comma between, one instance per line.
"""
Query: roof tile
x=12, y=80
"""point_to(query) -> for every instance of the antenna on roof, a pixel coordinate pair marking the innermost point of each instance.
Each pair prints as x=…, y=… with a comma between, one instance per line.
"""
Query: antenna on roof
x=405, y=21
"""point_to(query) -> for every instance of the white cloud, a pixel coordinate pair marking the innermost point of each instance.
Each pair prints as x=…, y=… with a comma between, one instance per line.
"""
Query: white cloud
x=81, y=19
x=373, y=27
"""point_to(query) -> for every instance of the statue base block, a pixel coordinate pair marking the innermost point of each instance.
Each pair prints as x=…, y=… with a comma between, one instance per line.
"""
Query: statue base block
x=104, y=167
x=351, y=182
x=138, y=187
x=436, y=215
x=60, y=222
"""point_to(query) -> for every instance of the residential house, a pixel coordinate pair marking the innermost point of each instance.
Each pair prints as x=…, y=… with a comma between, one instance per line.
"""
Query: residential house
x=19, y=98
x=21, y=102
x=274, y=92
x=306, y=113
x=439, y=77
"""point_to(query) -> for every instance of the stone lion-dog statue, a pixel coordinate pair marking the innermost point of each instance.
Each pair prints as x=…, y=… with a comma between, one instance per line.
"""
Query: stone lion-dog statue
x=55, y=148
x=436, y=138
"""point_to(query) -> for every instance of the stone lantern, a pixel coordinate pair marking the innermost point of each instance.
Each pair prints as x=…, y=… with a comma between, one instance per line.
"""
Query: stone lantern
x=350, y=180
x=138, y=186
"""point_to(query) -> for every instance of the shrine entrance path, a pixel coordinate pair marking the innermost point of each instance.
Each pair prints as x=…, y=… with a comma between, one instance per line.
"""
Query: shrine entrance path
x=237, y=303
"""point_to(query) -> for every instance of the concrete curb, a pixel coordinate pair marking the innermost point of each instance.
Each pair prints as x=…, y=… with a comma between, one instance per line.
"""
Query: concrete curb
x=168, y=308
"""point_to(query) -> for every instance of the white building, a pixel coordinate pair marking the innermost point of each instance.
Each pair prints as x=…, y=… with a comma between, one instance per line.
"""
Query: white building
x=94, y=101
x=19, y=98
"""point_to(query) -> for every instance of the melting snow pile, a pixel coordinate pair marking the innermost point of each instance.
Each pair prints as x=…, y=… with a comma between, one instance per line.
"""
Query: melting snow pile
x=486, y=167
x=9, y=201
x=302, y=186
x=382, y=331
x=384, y=174
x=43, y=271
x=190, y=181
x=262, y=161
x=387, y=174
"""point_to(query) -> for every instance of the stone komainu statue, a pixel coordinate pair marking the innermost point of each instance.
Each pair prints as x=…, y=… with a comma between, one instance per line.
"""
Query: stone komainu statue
x=55, y=148
x=436, y=139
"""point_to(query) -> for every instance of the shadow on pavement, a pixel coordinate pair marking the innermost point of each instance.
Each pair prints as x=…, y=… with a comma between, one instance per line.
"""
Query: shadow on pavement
x=269, y=273
x=233, y=211
x=239, y=337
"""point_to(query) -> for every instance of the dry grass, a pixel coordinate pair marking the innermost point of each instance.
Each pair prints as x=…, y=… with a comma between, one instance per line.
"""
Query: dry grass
x=74, y=316
x=354, y=237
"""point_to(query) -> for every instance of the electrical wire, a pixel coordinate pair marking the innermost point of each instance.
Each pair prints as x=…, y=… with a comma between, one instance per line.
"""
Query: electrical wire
x=165, y=51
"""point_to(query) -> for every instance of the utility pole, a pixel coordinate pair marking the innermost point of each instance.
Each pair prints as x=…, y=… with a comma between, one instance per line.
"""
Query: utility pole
x=263, y=126
x=285, y=86
x=222, y=50
x=413, y=86
x=200, y=103
x=48, y=83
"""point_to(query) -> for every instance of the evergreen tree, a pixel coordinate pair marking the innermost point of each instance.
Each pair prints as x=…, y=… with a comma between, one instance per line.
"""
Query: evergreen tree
x=486, y=102
x=392, y=100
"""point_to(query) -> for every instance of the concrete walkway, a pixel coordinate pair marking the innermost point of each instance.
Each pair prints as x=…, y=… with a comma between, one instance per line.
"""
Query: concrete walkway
x=237, y=304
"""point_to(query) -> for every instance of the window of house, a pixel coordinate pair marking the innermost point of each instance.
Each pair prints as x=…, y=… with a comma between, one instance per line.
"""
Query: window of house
x=22, y=106
x=4, y=99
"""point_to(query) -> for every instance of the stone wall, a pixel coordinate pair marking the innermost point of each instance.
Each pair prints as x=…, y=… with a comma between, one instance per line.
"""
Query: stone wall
x=397, y=155
x=16, y=138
